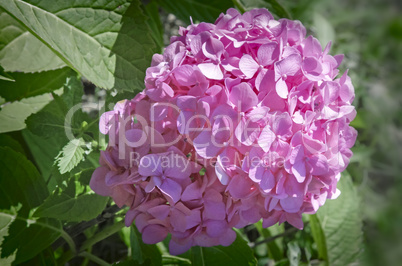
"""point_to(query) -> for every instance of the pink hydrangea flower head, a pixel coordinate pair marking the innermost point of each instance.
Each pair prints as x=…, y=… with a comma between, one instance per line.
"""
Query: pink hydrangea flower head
x=240, y=120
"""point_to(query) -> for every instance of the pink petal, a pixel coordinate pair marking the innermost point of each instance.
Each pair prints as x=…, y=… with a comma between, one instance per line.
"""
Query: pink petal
x=266, y=138
x=243, y=96
x=248, y=66
x=97, y=182
x=160, y=212
x=267, y=181
x=299, y=171
x=171, y=189
x=240, y=187
x=185, y=75
x=150, y=165
x=213, y=48
x=282, y=88
x=228, y=238
x=291, y=204
x=211, y=71
x=268, y=53
x=135, y=138
x=288, y=66
x=154, y=233
x=204, y=146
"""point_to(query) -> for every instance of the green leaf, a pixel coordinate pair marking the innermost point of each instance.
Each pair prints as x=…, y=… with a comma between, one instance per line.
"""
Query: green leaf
x=174, y=260
x=13, y=115
x=28, y=85
x=67, y=206
x=71, y=155
x=8, y=141
x=21, y=185
x=5, y=76
x=323, y=28
x=293, y=253
x=273, y=6
x=155, y=24
x=278, y=9
x=238, y=253
x=199, y=10
x=22, y=51
x=43, y=150
x=319, y=237
x=62, y=116
x=274, y=248
x=108, y=42
x=28, y=237
x=143, y=253
x=5, y=223
x=341, y=224
x=20, y=181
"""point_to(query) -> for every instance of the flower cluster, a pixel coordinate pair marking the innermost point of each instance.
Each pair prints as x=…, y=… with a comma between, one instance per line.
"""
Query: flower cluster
x=241, y=120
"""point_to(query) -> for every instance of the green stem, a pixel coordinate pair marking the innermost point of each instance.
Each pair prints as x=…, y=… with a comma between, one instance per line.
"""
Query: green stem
x=94, y=258
x=69, y=241
x=239, y=6
x=90, y=242
x=102, y=235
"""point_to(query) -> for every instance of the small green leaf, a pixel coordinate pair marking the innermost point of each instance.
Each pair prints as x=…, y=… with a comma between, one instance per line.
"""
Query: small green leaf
x=199, y=10
x=71, y=155
x=28, y=85
x=22, y=51
x=143, y=253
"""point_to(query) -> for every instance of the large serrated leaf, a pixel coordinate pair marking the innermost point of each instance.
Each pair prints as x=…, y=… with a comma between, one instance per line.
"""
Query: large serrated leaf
x=71, y=208
x=22, y=186
x=22, y=51
x=28, y=85
x=27, y=237
x=13, y=115
x=20, y=181
x=340, y=226
x=108, y=42
x=199, y=10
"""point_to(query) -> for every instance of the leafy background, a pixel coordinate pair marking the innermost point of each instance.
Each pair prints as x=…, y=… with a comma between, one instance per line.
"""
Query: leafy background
x=56, y=56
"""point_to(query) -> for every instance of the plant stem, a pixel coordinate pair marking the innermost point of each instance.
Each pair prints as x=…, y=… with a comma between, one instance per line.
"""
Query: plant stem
x=94, y=258
x=270, y=239
x=90, y=242
x=102, y=235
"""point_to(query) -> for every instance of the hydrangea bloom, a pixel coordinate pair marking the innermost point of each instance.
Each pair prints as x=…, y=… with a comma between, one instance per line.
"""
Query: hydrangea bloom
x=241, y=120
